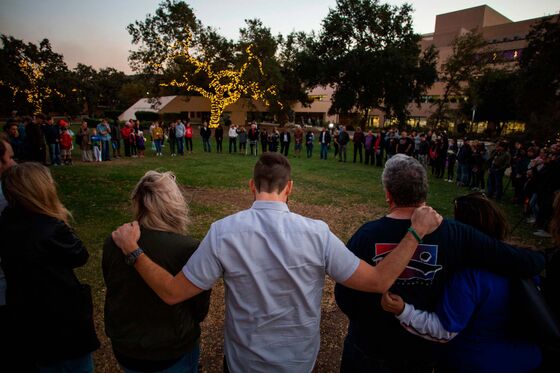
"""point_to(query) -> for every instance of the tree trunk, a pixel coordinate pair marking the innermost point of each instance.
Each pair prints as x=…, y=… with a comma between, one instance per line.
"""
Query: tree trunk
x=216, y=110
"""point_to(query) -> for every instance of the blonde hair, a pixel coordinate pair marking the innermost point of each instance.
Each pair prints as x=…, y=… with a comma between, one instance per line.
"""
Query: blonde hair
x=30, y=186
x=158, y=203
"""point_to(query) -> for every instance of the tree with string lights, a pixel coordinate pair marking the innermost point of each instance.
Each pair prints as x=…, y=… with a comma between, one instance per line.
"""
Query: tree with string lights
x=176, y=53
x=225, y=86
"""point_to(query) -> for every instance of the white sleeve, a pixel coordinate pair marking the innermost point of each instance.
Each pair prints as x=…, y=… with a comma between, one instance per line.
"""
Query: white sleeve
x=424, y=324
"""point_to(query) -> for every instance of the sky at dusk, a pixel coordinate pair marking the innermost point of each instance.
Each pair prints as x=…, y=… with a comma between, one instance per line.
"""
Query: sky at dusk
x=94, y=32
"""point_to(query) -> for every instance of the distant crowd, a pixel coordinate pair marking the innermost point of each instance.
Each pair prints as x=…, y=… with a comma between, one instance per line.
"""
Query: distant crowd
x=532, y=170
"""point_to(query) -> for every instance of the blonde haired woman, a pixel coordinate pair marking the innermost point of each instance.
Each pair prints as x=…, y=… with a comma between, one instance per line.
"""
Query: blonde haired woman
x=148, y=335
x=50, y=312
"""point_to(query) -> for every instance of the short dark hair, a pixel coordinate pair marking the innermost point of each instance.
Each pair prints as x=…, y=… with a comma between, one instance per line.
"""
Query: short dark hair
x=272, y=172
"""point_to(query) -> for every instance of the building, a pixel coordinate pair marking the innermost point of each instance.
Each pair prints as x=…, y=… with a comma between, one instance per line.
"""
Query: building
x=197, y=108
x=506, y=37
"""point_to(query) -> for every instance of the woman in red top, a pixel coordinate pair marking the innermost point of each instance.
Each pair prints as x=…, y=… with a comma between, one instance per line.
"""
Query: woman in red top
x=188, y=137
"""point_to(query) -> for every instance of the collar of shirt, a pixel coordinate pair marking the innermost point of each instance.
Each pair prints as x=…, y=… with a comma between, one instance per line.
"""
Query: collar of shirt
x=270, y=205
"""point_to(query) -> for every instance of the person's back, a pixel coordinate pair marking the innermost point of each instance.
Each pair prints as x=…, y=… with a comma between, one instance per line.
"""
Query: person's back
x=162, y=336
x=50, y=312
x=273, y=285
x=479, y=306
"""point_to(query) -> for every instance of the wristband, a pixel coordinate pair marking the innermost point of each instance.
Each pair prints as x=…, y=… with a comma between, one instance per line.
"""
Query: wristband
x=415, y=234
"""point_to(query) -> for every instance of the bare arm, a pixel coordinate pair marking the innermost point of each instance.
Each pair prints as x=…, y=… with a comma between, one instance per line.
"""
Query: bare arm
x=380, y=278
x=171, y=289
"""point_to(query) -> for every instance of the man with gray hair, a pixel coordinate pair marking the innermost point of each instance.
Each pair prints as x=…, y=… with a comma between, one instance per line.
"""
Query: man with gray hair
x=376, y=342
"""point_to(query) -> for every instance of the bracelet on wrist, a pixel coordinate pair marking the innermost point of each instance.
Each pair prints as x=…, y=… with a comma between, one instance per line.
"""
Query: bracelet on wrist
x=415, y=234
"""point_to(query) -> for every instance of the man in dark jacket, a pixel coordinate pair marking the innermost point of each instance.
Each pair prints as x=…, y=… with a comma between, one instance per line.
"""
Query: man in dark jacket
x=358, y=143
x=324, y=141
x=285, y=139
x=343, y=140
x=52, y=136
x=205, y=134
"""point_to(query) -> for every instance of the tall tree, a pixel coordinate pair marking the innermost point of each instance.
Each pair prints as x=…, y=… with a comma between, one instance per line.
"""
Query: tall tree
x=493, y=94
x=466, y=63
x=539, y=97
x=370, y=53
x=32, y=76
x=225, y=86
x=178, y=51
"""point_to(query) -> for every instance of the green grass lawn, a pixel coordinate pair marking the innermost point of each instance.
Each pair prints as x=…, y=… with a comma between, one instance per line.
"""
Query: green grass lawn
x=343, y=194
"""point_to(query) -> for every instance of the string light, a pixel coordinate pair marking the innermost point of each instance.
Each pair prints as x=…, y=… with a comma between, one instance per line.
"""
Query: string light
x=36, y=92
x=225, y=87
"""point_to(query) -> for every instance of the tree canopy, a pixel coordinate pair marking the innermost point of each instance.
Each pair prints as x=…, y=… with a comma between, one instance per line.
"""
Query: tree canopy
x=369, y=52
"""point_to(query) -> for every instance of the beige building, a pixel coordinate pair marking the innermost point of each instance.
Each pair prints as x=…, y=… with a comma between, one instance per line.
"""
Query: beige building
x=503, y=35
x=197, y=108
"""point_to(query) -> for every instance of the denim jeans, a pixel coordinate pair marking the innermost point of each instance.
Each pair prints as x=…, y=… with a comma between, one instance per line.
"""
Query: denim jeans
x=105, y=150
x=495, y=183
x=206, y=145
x=254, y=145
x=233, y=144
x=157, y=142
x=324, y=151
x=180, y=146
x=187, y=364
x=54, y=152
x=83, y=364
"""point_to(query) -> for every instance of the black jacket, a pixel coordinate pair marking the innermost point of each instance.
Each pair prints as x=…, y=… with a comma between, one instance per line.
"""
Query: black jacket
x=141, y=326
x=50, y=311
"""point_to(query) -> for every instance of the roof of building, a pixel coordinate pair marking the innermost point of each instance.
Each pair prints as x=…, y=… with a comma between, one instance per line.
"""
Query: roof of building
x=146, y=104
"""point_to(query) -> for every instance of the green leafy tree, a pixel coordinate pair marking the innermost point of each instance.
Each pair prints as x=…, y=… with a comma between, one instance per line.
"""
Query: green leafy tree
x=33, y=77
x=539, y=97
x=493, y=97
x=370, y=53
x=279, y=58
x=467, y=62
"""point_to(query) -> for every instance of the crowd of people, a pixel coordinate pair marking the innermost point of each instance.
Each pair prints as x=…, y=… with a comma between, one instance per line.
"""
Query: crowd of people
x=447, y=281
x=407, y=281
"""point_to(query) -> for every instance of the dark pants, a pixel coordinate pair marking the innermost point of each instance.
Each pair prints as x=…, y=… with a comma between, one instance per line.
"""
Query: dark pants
x=324, y=151
x=342, y=153
x=218, y=145
x=105, y=150
x=284, y=147
x=369, y=156
x=180, y=145
x=356, y=361
x=233, y=144
x=264, y=146
x=116, y=148
x=172, y=144
x=206, y=145
x=451, y=169
x=188, y=144
x=126, y=148
x=495, y=183
x=358, y=149
x=379, y=158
